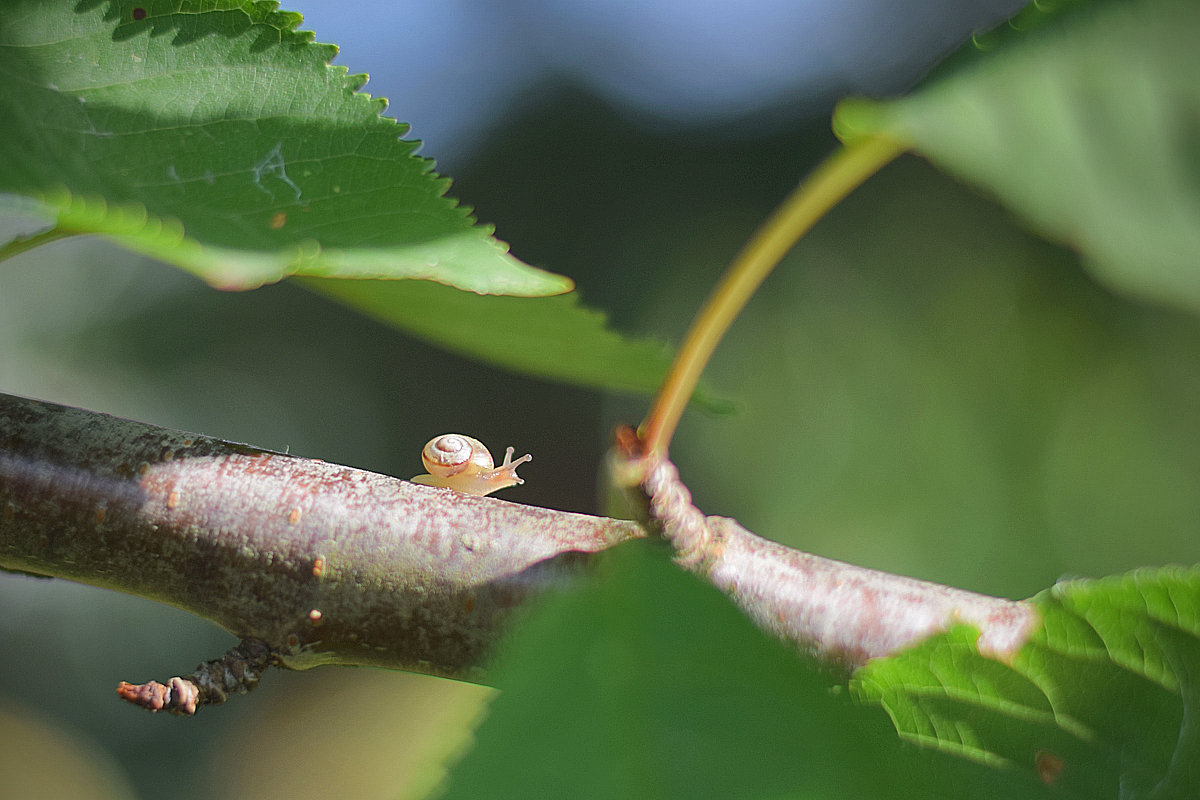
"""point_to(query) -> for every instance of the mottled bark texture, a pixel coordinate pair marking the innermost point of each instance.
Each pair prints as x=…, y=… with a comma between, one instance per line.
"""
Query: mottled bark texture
x=835, y=611
x=312, y=563
x=326, y=564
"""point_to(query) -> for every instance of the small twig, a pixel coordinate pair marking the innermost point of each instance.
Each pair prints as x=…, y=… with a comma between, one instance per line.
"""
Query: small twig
x=238, y=671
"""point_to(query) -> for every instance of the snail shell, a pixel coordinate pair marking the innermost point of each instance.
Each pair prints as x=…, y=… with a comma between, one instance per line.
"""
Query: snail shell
x=451, y=453
x=462, y=463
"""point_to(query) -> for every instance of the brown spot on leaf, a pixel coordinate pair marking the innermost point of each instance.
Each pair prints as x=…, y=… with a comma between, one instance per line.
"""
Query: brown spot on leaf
x=1049, y=766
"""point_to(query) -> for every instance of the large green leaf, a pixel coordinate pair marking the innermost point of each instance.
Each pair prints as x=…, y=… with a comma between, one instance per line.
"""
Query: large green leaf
x=651, y=684
x=213, y=135
x=1084, y=117
x=1100, y=702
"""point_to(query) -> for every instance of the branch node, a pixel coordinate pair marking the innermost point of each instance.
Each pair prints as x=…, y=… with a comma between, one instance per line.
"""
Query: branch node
x=697, y=545
x=659, y=497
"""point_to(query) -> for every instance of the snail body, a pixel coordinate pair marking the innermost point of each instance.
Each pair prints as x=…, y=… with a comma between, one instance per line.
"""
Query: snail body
x=461, y=463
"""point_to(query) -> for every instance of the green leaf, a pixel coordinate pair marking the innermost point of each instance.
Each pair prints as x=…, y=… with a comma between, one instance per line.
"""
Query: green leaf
x=213, y=135
x=1086, y=123
x=550, y=337
x=650, y=683
x=1099, y=702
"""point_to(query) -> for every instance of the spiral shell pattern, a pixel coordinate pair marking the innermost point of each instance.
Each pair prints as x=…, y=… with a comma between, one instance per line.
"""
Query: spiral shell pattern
x=451, y=453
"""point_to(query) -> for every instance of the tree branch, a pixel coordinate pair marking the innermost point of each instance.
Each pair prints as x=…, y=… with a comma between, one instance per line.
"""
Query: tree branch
x=837, y=612
x=312, y=563
x=326, y=564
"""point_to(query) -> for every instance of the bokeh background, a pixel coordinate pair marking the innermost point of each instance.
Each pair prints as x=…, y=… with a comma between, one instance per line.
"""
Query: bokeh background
x=923, y=387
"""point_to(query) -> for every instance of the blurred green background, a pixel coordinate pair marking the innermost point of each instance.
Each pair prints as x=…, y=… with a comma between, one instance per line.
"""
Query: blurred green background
x=923, y=387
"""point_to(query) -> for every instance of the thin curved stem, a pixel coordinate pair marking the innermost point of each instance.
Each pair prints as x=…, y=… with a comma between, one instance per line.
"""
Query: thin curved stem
x=23, y=243
x=835, y=178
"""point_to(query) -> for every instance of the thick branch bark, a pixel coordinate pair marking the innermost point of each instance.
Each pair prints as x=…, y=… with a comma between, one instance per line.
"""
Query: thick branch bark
x=327, y=564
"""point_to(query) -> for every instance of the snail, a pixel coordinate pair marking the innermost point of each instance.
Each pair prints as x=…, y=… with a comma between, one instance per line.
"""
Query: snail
x=461, y=463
